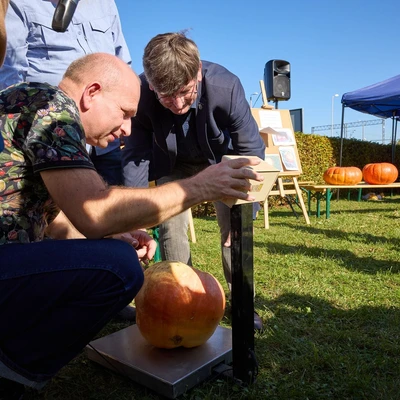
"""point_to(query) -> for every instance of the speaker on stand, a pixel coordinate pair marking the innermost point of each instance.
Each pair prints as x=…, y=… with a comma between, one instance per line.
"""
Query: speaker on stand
x=277, y=80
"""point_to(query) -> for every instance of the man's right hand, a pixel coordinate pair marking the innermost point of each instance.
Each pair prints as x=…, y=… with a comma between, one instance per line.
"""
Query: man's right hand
x=97, y=210
x=228, y=179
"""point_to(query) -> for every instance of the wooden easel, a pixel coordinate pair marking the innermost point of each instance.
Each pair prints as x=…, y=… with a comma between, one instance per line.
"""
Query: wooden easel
x=290, y=186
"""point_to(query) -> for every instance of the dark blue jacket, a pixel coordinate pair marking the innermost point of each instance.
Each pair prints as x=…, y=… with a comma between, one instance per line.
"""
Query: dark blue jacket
x=224, y=125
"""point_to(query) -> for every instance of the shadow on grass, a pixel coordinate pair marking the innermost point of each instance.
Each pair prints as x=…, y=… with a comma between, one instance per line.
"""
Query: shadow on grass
x=348, y=259
x=313, y=349
x=334, y=212
x=275, y=212
x=329, y=232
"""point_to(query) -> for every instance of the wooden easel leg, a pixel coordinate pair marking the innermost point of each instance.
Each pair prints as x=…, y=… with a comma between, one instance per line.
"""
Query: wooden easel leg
x=281, y=187
x=301, y=200
x=191, y=226
x=266, y=216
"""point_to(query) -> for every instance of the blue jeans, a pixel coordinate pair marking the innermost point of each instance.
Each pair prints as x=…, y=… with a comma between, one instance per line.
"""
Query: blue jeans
x=109, y=166
x=56, y=295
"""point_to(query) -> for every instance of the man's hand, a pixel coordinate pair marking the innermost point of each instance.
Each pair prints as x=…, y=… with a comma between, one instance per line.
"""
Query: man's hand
x=97, y=210
x=143, y=243
x=228, y=179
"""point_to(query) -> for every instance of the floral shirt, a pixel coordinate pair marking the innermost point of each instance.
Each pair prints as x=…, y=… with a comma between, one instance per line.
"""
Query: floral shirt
x=42, y=130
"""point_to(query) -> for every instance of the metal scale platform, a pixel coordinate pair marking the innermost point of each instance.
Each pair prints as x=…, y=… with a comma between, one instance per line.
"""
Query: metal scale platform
x=173, y=372
x=168, y=372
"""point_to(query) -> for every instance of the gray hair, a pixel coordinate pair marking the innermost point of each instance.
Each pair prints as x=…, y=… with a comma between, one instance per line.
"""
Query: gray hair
x=170, y=62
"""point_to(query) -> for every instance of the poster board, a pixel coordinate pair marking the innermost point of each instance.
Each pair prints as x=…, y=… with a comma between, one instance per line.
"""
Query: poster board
x=276, y=130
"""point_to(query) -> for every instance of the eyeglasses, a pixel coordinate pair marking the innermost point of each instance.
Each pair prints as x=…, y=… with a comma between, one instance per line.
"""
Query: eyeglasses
x=184, y=94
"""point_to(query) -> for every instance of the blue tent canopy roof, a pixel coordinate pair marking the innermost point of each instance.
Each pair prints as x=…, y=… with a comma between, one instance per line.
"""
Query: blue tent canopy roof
x=381, y=99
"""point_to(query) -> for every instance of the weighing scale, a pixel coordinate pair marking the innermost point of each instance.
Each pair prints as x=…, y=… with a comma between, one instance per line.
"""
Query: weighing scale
x=169, y=372
x=172, y=372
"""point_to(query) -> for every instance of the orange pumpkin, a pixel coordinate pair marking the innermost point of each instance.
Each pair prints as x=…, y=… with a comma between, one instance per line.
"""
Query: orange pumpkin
x=178, y=305
x=343, y=175
x=380, y=173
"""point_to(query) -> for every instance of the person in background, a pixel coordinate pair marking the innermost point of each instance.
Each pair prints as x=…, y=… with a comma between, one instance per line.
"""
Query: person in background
x=37, y=53
x=40, y=54
x=3, y=41
x=3, y=33
x=191, y=113
x=67, y=290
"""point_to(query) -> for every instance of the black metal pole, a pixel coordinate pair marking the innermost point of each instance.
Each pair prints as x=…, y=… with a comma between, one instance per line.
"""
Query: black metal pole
x=341, y=137
x=394, y=130
x=341, y=145
x=244, y=361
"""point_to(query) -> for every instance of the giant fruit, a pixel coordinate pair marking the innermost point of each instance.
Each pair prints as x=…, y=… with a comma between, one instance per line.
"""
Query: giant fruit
x=380, y=173
x=178, y=305
x=343, y=175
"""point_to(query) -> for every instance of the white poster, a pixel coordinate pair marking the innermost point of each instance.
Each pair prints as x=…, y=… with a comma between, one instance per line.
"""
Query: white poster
x=288, y=158
x=270, y=119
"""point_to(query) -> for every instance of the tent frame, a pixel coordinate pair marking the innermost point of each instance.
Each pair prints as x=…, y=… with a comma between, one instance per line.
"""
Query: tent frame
x=381, y=100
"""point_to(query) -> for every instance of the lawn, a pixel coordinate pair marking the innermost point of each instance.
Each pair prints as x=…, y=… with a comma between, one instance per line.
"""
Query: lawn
x=329, y=296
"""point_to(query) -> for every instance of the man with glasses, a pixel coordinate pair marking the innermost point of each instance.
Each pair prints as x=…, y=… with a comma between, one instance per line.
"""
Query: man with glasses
x=191, y=113
x=56, y=295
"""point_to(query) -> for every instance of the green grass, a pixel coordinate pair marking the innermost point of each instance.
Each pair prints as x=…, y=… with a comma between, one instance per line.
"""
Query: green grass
x=329, y=296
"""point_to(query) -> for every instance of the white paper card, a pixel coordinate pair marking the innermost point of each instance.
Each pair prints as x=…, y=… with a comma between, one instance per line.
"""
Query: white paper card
x=259, y=190
x=271, y=119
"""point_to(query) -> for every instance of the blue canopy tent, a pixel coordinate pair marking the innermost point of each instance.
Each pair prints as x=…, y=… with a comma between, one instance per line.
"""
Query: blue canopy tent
x=381, y=100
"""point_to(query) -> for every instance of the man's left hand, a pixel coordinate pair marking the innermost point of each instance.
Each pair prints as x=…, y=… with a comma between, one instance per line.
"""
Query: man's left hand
x=142, y=242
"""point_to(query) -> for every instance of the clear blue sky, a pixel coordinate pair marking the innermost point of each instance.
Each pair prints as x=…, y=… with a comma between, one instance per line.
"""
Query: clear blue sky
x=333, y=47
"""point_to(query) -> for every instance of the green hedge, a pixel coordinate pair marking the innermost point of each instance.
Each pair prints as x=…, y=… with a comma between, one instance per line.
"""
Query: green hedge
x=318, y=153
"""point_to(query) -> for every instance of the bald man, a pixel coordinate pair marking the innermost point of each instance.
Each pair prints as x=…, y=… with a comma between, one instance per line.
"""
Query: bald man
x=67, y=290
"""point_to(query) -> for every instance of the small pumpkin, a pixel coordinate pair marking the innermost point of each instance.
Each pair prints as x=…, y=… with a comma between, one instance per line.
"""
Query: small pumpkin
x=343, y=175
x=380, y=173
x=178, y=305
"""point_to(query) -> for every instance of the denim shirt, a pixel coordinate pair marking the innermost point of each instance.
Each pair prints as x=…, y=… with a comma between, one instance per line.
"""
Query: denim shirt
x=37, y=53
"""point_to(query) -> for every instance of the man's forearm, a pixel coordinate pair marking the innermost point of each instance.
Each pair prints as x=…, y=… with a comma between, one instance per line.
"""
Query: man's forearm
x=97, y=210
x=155, y=205
x=62, y=228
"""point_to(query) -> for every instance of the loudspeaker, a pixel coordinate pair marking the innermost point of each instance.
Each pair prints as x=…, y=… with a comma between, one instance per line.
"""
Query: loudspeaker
x=277, y=80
